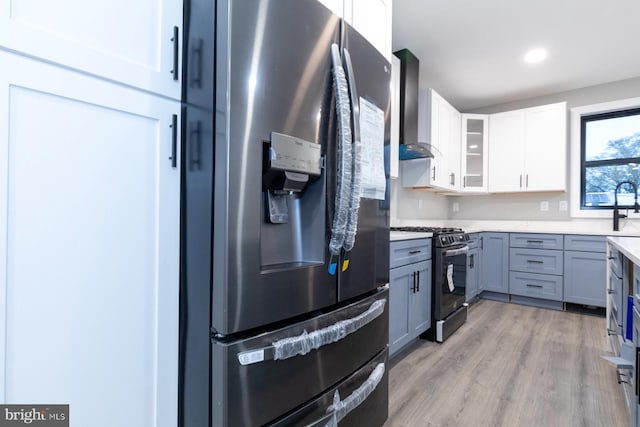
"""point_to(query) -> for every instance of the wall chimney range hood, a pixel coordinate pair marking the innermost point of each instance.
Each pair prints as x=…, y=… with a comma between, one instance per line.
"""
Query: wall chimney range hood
x=410, y=147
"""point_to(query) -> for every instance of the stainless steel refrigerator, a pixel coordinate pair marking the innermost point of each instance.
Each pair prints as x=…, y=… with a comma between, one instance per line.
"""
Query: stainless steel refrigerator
x=285, y=218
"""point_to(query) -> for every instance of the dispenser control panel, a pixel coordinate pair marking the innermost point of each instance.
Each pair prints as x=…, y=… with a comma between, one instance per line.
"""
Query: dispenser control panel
x=288, y=153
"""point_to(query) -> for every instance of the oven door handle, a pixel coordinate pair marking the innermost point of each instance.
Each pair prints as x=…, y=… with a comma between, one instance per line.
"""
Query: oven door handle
x=458, y=251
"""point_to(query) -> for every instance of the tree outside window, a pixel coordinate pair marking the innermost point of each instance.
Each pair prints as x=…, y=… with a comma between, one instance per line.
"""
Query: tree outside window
x=610, y=154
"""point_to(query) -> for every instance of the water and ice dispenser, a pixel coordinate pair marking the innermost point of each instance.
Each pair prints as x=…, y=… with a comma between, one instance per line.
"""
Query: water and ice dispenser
x=293, y=227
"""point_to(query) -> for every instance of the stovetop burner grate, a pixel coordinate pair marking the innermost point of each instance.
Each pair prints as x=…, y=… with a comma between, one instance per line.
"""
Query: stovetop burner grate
x=438, y=230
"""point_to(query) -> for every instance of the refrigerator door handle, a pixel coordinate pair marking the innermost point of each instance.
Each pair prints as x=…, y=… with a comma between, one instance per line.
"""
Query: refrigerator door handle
x=302, y=344
x=340, y=408
x=356, y=178
x=345, y=162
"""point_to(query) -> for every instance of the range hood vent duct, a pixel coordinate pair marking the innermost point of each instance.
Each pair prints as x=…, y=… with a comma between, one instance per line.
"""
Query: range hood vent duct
x=410, y=148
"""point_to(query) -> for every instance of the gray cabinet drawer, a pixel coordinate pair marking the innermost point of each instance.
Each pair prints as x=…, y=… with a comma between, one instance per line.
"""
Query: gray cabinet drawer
x=577, y=242
x=535, y=285
x=536, y=241
x=474, y=238
x=403, y=252
x=615, y=260
x=536, y=261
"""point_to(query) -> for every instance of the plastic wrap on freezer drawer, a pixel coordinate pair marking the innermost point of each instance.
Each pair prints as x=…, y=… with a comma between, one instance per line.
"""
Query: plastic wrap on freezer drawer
x=304, y=343
x=341, y=408
x=345, y=160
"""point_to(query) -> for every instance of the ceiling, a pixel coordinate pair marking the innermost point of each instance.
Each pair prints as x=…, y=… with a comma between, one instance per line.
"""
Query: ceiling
x=471, y=51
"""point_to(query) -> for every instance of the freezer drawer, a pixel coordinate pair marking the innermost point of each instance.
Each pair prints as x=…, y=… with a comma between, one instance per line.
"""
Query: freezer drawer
x=258, y=379
x=360, y=400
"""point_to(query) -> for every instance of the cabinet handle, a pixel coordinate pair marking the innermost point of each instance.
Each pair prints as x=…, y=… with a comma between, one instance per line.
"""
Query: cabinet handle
x=611, y=332
x=198, y=51
x=418, y=281
x=413, y=285
x=611, y=257
x=535, y=241
x=174, y=140
x=452, y=179
x=529, y=285
x=471, y=262
x=464, y=181
x=414, y=252
x=619, y=376
x=526, y=181
x=520, y=180
x=481, y=243
x=611, y=291
x=434, y=173
x=176, y=53
x=535, y=261
x=195, y=162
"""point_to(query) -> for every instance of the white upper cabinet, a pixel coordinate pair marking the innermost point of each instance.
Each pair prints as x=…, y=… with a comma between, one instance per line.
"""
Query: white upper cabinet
x=336, y=6
x=546, y=148
x=506, y=152
x=439, y=126
x=89, y=245
x=137, y=43
x=474, y=148
x=527, y=149
x=371, y=18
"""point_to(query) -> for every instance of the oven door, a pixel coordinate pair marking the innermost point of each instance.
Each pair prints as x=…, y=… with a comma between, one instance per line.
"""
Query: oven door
x=450, y=280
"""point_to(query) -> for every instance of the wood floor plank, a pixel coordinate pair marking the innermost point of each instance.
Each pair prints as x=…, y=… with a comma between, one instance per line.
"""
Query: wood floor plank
x=509, y=365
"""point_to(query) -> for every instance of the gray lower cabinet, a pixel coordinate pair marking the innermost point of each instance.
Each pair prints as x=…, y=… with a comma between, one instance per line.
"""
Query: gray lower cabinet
x=494, y=256
x=584, y=278
x=473, y=267
x=409, y=294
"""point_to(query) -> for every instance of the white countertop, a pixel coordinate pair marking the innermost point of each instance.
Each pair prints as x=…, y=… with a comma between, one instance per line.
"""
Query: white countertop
x=408, y=235
x=590, y=227
x=629, y=246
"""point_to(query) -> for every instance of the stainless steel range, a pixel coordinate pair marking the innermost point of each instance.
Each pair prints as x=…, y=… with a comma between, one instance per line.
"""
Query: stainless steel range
x=448, y=307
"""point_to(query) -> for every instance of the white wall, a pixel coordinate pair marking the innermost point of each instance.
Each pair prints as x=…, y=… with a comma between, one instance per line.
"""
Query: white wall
x=410, y=204
x=527, y=206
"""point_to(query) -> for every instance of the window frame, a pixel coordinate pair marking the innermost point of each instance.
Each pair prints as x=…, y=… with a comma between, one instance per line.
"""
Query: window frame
x=575, y=180
x=584, y=163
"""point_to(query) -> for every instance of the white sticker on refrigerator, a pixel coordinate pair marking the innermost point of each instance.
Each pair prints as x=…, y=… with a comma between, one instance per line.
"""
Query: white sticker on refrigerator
x=372, y=146
x=450, y=277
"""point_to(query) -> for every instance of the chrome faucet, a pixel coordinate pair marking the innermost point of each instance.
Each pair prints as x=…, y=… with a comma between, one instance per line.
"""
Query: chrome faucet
x=616, y=214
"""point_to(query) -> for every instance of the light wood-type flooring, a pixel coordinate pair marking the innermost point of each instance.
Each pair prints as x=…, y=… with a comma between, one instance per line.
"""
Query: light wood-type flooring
x=509, y=365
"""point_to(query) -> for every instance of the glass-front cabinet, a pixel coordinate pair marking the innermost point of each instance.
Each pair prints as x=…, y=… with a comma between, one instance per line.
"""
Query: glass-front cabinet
x=474, y=152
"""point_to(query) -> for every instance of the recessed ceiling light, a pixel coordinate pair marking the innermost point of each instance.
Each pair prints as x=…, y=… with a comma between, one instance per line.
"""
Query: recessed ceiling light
x=473, y=146
x=535, y=55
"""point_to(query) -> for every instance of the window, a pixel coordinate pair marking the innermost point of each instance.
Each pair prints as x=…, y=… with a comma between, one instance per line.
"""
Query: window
x=610, y=154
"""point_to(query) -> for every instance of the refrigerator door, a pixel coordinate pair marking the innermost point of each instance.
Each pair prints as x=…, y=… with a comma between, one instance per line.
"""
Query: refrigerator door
x=368, y=266
x=255, y=383
x=273, y=75
x=362, y=400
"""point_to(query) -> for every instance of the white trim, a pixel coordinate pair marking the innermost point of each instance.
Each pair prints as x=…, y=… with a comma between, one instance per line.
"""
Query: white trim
x=576, y=115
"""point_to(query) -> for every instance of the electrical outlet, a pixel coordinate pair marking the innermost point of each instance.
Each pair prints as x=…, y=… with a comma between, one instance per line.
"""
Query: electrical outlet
x=544, y=206
x=563, y=206
x=456, y=206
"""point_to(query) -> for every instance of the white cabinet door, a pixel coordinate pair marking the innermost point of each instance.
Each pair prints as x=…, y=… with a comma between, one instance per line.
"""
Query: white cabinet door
x=453, y=151
x=89, y=239
x=372, y=19
x=125, y=41
x=506, y=152
x=474, y=158
x=336, y=6
x=545, y=148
